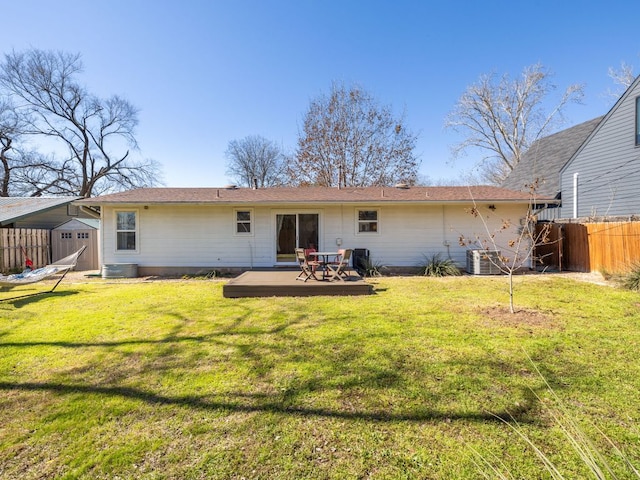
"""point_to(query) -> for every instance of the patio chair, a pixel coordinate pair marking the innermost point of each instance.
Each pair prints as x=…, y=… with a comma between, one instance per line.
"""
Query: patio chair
x=307, y=267
x=338, y=270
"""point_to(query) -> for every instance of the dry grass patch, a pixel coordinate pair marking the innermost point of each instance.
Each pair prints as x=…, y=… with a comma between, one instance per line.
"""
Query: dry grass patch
x=500, y=316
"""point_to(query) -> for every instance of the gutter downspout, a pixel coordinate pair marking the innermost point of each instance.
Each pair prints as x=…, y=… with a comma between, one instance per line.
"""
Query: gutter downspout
x=575, y=195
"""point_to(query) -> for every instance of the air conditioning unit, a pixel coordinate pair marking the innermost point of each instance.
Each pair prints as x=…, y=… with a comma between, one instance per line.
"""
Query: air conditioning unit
x=483, y=262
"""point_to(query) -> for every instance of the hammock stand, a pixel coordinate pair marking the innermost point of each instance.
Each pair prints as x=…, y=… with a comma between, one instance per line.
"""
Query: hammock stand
x=63, y=265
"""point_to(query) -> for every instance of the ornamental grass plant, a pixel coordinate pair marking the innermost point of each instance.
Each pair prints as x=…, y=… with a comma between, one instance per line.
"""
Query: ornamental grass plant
x=436, y=266
x=631, y=279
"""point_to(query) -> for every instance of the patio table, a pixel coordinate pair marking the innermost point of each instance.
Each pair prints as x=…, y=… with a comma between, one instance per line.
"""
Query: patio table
x=323, y=260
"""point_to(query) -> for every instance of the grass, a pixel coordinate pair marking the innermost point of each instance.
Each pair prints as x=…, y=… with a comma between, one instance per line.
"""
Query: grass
x=168, y=379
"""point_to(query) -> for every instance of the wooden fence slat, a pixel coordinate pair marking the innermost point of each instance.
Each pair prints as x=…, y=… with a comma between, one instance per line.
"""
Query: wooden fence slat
x=36, y=243
x=590, y=247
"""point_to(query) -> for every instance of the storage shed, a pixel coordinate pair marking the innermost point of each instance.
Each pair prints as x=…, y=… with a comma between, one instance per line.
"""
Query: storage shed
x=70, y=236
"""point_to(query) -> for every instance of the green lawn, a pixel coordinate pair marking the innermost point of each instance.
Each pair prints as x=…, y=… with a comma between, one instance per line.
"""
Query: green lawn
x=168, y=379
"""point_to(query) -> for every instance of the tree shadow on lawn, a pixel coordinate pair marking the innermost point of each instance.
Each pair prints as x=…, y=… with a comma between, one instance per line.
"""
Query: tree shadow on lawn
x=269, y=404
x=172, y=337
x=23, y=299
x=377, y=390
x=338, y=371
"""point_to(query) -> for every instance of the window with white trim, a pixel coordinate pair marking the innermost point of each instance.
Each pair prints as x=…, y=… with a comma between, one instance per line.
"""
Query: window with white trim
x=126, y=230
x=244, y=219
x=367, y=221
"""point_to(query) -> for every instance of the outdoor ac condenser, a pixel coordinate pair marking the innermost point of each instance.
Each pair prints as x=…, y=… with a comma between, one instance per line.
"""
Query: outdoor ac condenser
x=483, y=262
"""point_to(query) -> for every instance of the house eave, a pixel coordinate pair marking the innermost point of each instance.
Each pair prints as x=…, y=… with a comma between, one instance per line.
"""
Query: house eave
x=329, y=202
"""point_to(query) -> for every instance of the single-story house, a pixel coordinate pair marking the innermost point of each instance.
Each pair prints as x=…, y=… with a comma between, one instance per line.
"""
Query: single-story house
x=166, y=231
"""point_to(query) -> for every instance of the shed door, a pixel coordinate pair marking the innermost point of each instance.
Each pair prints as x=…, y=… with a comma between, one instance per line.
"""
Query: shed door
x=66, y=242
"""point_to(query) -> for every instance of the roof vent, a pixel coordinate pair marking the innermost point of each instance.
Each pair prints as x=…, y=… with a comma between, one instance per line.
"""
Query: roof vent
x=230, y=187
x=403, y=186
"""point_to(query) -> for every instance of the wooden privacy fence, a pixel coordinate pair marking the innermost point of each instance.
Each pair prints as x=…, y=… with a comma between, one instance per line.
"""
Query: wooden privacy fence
x=35, y=242
x=591, y=247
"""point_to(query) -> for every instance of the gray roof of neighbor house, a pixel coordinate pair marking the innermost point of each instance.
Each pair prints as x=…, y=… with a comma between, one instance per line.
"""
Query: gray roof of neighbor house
x=93, y=223
x=307, y=195
x=545, y=158
x=13, y=209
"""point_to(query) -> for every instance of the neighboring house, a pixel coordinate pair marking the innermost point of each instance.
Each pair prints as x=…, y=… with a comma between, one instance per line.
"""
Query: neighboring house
x=594, y=167
x=181, y=230
x=37, y=212
x=543, y=161
x=26, y=222
x=602, y=179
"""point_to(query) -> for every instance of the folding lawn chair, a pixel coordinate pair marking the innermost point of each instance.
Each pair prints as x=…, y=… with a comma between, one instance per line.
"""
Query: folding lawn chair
x=307, y=267
x=338, y=269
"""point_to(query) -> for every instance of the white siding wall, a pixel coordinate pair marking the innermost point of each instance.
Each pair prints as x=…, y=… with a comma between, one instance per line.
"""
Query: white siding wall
x=608, y=168
x=203, y=236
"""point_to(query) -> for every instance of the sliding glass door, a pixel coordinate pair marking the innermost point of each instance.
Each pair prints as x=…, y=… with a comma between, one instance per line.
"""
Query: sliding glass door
x=295, y=230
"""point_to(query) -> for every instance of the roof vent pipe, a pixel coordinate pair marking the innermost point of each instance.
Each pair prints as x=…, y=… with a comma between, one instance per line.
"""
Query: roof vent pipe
x=255, y=183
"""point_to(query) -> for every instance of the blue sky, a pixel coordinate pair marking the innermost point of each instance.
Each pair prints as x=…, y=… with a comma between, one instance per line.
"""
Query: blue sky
x=204, y=73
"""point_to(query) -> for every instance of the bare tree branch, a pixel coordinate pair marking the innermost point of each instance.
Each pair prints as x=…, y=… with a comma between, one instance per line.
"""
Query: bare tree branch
x=501, y=118
x=97, y=134
x=622, y=78
x=350, y=140
x=255, y=158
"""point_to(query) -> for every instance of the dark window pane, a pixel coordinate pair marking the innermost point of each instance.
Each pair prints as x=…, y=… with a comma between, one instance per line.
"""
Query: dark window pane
x=243, y=228
x=367, y=215
x=126, y=240
x=368, y=227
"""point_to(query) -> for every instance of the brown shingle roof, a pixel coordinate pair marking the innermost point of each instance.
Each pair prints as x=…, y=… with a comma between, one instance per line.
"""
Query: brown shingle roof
x=306, y=195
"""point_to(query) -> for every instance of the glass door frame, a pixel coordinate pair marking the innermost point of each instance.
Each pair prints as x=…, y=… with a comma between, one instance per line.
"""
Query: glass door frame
x=288, y=258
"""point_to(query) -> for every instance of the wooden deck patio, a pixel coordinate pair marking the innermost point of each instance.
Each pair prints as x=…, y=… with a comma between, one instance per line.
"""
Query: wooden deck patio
x=284, y=284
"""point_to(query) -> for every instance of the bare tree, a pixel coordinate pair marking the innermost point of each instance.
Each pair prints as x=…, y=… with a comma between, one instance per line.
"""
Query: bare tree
x=95, y=135
x=9, y=128
x=19, y=166
x=502, y=117
x=254, y=158
x=349, y=139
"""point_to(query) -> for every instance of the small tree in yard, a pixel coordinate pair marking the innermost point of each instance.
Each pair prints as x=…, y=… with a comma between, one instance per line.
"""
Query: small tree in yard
x=519, y=250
